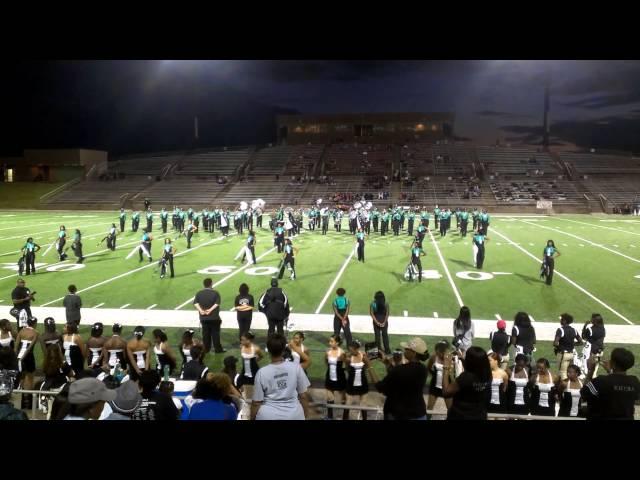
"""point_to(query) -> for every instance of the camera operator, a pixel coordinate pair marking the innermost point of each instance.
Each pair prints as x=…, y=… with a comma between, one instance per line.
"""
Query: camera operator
x=21, y=297
x=404, y=384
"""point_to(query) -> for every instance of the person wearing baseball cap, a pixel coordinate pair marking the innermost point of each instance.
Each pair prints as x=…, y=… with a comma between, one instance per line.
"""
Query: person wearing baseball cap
x=86, y=399
x=500, y=343
x=404, y=384
x=127, y=401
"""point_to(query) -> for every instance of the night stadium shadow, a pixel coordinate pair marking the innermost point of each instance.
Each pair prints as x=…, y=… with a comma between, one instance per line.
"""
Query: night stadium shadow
x=527, y=278
x=399, y=276
x=461, y=263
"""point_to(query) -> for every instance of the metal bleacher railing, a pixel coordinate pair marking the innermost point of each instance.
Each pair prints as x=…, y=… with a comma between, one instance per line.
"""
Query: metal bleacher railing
x=376, y=411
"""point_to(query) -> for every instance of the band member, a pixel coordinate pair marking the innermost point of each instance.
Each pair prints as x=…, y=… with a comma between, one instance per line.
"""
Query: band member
x=436, y=216
x=548, y=261
x=375, y=216
x=360, y=245
x=279, y=237
x=250, y=249
x=337, y=220
x=145, y=245
x=289, y=259
x=149, y=215
x=168, y=251
x=164, y=215
x=411, y=219
x=62, y=240
x=76, y=246
x=29, y=254
x=416, y=253
x=324, y=214
x=424, y=217
x=191, y=229
x=478, y=248
x=111, y=237
x=259, y=217
x=484, y=221
x=224, y=224
x=123, y=219
x=464, y=222
x=135, y=221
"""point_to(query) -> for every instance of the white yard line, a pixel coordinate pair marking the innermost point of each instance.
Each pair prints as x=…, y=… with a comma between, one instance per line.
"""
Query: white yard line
x=125, y=274
x=584, y=240
x=446, y=269
x=335, y=281
x=531, y=318
x=601, y=226
x=52, y=232
x=86, y=256
x=125, y=306
x=537, y=260
x=219, y=282
x=152, y=306
x=498, y=316
x=99, y=305
x=435, y=314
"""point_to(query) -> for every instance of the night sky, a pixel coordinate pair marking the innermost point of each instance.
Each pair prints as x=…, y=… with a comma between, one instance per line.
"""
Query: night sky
x=137, y=106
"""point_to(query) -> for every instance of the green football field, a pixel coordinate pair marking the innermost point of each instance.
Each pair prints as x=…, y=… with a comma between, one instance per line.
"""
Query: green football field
x=599, y=270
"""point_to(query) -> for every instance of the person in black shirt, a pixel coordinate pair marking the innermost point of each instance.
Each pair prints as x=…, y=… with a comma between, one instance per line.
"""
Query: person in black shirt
x=72, y=304
x=194, y=369
x=565, y=341
x=155, y=405
x=244, y=308
x=21, y=297
x=593, y=334
x=403, y=386
x=612, y=397
x=523, y=337
x=275, y=305
x=469, y=390
x=500, y=343
x=207, y=302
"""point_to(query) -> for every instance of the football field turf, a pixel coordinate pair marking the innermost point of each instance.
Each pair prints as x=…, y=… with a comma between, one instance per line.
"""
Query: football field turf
x=598, y=271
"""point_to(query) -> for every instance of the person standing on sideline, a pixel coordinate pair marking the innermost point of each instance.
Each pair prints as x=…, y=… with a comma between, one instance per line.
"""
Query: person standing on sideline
x=207, y=302
x=593, y=334
x=379, y=311
x=500, y=343
x=469, y=390
x=335, y=379
x=564, y=344
x=523, y=337
x=21, y=297
x=548, y=261
x=243, y=305
x=275, y=305
x=72, y=304
x=463, y=331
x=404, y=384
x=613, y=396
x=280, y=388
x=341, y=308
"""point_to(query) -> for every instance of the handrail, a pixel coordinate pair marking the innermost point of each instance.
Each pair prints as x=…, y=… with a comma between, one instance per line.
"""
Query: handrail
x=61, y=187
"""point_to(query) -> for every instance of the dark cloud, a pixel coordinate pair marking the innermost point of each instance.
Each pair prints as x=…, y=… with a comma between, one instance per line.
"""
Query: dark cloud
x=612, y=132
x=349, y=70
x=493, y=113
x=604, y=101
